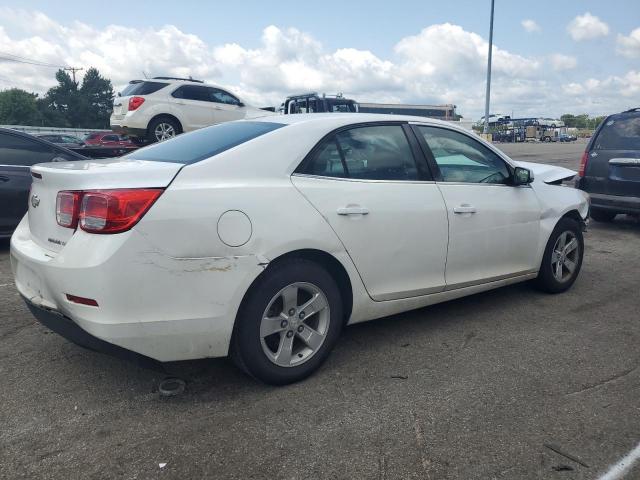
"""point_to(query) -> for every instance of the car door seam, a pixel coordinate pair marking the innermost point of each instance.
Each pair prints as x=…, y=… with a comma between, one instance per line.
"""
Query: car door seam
x=335, y=233
x=446, y=258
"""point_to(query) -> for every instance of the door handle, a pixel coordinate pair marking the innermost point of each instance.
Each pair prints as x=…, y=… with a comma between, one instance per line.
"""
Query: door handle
x=353, y=210
x=464, y=208
x=3, y=178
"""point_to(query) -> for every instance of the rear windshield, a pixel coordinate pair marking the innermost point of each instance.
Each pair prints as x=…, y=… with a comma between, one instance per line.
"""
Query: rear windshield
x=204, y=143
x=619, y=133
x=142, y=88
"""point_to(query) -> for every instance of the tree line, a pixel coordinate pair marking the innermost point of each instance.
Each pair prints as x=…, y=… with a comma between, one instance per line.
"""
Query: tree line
x=582, y=121
x=68, y=104
x=88, y=105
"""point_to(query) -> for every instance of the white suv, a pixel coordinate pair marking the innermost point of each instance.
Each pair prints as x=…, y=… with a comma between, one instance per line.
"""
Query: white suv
x=163, y=107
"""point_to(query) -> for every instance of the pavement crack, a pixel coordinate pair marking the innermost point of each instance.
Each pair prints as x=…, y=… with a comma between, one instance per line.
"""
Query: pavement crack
x=555, y=448
x=604, y=382
x=421, y=444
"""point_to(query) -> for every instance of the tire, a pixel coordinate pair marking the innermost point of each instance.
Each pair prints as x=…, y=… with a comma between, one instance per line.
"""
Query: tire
x=163, y=128
x=602, y=215
x=259, y=347
x=554, y=279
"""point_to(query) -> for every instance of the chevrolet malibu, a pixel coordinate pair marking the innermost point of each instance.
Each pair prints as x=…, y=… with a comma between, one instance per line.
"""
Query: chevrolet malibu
x=261, y=239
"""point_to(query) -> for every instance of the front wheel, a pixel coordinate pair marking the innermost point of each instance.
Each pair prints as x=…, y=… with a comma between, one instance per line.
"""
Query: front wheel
x=288, y=324
x=562, y=257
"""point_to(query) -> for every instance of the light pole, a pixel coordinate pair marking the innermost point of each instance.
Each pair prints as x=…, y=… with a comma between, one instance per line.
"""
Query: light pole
x=488, y=94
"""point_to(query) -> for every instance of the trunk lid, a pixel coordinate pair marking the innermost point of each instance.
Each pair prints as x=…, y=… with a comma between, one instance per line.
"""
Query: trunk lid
x=120, y=107
x=51, y=178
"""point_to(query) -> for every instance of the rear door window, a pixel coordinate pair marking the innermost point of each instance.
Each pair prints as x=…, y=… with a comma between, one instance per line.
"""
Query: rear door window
x=193, y=92
x=379, y=152
x=16, y=150
x=204, y=143
x=619, y=133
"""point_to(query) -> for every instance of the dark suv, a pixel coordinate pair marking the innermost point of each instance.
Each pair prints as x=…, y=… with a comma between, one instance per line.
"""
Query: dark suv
x=610, y=167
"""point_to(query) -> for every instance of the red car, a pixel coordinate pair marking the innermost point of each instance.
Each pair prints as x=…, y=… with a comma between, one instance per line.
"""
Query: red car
x=108, y=139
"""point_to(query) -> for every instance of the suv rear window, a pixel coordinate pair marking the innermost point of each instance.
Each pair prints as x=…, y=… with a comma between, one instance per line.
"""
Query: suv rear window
x=142, y=88
x=620, y=132
x=204, y=143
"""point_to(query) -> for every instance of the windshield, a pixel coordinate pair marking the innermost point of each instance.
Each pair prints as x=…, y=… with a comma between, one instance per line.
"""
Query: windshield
x=204, y=143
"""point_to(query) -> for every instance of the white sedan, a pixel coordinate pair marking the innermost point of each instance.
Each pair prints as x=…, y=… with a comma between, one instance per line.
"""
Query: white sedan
x=262, y=238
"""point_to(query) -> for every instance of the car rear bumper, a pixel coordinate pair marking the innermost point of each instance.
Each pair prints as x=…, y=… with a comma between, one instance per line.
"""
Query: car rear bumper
x=152, y=304
x=67, y=328
x=615, y=203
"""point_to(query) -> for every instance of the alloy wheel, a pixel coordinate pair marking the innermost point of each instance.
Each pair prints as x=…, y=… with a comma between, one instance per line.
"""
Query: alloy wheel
x=295, y=324
x=164, y=131
x=565, y=255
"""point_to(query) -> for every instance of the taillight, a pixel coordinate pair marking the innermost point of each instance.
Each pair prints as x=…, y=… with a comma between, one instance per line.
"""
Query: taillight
x=115, y=211
x=68, y=208
x=135, y=102
x=104, y=211
x=583, y=164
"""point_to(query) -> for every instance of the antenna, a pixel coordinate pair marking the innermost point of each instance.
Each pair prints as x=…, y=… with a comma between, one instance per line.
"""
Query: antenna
x=73, y=71
x=144, y=74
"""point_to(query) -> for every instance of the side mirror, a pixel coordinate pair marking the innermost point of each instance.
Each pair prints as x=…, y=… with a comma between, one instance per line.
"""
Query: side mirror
x=240, y=104
x=522, y=176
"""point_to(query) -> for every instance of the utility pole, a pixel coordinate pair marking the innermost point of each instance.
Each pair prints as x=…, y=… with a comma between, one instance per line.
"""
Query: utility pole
x=73, y=71
x=488, y=94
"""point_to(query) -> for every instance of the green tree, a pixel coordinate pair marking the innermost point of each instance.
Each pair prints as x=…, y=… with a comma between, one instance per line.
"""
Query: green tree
x=97, y=92
x=65, y=103
x=19, y=107
x=569, y=120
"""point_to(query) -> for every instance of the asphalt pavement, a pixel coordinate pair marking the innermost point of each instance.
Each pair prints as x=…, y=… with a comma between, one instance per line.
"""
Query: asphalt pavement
x=508, y=384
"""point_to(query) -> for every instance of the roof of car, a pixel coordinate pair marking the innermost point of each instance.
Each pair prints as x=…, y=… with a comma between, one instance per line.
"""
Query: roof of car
x=41, y=140
x=340, y=119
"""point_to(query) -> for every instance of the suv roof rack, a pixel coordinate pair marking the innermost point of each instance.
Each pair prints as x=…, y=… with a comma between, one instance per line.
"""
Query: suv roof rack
x=178, y=78
x=316, y=95
x=632, y=110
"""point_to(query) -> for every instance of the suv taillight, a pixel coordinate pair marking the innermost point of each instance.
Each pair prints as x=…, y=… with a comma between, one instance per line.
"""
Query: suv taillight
x=135, y=102
x=583, y=164
x=104, y=211
x=67, y=208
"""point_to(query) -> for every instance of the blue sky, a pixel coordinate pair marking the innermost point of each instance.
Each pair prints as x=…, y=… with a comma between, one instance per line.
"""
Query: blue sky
x=602, y=67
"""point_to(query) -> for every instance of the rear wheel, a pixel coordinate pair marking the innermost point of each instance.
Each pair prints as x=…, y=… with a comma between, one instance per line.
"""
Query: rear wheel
x=562, y=258
x=163, y=128
x=602, y=215
x=288, y=324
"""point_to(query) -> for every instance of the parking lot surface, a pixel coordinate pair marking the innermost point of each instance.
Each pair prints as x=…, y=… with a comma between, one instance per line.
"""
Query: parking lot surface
x=509, y=384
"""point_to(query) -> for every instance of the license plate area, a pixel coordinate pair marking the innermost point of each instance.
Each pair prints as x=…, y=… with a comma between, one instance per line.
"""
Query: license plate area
x=624, y=173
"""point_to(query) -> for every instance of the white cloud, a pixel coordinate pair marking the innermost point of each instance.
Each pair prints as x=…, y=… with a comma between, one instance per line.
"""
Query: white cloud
x=530, y=25
x=560, y=62
x=442, y=63
x=587, y=27
x=629, y=46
